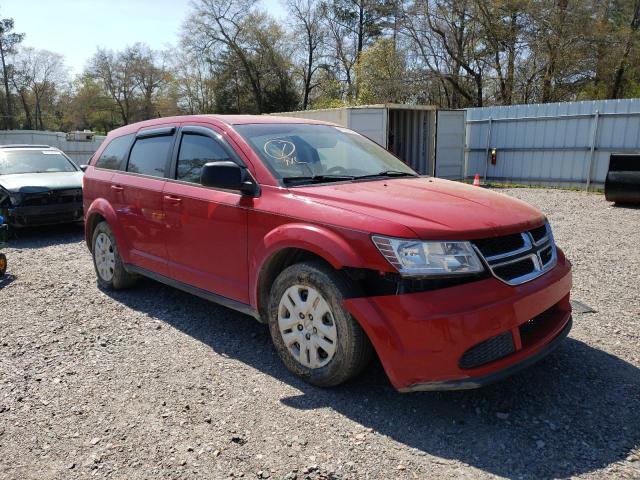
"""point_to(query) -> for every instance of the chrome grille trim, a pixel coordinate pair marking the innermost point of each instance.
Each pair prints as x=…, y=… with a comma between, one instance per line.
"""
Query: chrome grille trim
x=527, y=246
x=531, y=250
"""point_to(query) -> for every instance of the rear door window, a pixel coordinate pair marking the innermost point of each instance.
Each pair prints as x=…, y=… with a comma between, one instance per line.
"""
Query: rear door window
x=112, y=157
x=195, y=152
x=150, y=155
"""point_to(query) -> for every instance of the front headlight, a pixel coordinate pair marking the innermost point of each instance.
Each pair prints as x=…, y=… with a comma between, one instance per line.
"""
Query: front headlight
x=416, y=258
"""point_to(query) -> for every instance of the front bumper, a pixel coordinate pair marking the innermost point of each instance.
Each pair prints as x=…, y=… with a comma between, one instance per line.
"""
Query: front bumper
x=424, y=339
x=45, y=214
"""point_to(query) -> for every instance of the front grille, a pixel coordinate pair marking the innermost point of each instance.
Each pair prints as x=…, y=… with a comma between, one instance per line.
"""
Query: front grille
x=488, y=351
x=48, y=218
x=500, y=245
x=515, y=270
x=54, y=197
x=520, y=257
x=539, y=233
x=546, y=255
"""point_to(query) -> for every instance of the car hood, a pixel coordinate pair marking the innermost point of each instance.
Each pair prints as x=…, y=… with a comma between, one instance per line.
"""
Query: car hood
x=433, y=208
x=53, y=181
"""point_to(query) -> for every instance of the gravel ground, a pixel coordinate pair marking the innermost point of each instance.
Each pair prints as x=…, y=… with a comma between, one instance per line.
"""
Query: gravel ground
x=155, y=383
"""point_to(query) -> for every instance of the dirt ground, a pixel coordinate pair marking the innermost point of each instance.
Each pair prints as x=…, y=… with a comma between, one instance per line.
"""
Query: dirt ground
x=155, y=383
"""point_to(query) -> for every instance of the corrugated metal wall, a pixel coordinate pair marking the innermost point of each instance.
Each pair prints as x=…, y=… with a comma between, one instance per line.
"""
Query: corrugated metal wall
x=555, y=143
x=79, y=152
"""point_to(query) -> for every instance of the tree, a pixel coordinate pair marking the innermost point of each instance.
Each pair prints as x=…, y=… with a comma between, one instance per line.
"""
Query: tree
x=136, y=79
x=9, y=40
x=631, y=35
x=226, y=24
x=90, y=107
x=352, y=25
x=562, y=51
x=307, y=27
x=235, y=58
x=382, y=74
x=45, y=74
x=149, y=76
x=447, y=40
x=194, y=81
x=21, y=81
x=246, y=45
x=502, y=26
x=114, y=72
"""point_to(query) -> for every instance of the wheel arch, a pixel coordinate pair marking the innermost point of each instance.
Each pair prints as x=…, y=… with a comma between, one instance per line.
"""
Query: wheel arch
x=290, y=244
x=101, y=210
x=90, y=225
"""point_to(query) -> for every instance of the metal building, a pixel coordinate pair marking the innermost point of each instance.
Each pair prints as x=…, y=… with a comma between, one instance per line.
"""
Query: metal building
x=561, y=144
x=428, y=139
x=78, y=150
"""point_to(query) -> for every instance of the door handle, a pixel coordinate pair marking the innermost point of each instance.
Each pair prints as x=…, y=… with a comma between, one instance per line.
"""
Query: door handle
x=172, y=199
x=117, y=188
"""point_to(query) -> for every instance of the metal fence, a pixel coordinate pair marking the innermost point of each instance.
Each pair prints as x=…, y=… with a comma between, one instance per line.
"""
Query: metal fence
x=78, y=151
x=560, y=144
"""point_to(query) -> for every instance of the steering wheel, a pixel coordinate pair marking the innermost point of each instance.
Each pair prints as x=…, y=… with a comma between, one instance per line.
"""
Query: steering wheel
x=338, y=170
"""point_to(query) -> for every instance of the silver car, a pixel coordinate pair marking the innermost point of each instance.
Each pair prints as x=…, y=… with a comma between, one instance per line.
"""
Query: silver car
x=39, y=185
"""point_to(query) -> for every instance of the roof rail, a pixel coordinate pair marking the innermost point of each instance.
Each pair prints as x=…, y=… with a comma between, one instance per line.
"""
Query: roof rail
x=25, y=145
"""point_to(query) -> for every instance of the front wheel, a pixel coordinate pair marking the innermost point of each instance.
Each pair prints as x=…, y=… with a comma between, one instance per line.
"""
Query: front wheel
x=316, y=338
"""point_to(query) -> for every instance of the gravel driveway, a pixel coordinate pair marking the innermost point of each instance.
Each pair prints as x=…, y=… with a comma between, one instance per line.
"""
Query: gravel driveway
x=155, y=383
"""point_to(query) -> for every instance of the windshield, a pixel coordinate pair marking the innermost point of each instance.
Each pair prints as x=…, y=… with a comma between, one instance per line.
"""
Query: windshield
x=34, y=161
x=305, y=153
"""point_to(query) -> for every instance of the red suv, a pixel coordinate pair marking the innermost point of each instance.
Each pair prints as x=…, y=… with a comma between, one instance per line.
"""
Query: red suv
x=336, y=244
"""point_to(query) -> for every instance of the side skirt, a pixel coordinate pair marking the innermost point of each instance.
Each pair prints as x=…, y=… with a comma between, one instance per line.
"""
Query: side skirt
x=198, y=292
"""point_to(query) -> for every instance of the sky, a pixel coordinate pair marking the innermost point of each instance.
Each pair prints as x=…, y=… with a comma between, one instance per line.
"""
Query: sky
x=76, y=28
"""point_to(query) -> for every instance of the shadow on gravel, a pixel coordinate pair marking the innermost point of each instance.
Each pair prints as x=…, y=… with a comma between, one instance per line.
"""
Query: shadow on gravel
x=628, y=206
x=572, y=413
x=41, y=237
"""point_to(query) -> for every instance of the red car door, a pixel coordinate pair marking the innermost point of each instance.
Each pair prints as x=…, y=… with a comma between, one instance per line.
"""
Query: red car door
x=137, y=198
x=207, y=228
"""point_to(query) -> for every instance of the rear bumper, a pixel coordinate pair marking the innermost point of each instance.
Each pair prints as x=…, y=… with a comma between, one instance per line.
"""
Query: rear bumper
x=425, y=340
x=45, y=214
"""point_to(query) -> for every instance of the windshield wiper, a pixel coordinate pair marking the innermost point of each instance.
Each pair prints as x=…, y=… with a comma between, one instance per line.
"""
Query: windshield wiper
x=387, y=173
x=318, y=178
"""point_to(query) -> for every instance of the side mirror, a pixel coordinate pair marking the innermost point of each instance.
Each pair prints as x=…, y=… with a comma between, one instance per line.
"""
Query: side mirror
x=84, y=167
x=228, y=175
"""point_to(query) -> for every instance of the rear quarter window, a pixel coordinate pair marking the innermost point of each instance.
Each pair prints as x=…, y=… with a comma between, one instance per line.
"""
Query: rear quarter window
x=113, y=156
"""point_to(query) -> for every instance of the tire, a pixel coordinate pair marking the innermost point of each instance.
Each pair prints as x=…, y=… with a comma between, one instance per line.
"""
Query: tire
x=105, y=249
x=349, y=351
x=3, y=264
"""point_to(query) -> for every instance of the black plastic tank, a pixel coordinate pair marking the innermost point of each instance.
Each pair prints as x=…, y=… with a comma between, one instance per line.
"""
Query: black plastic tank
x=623, y=179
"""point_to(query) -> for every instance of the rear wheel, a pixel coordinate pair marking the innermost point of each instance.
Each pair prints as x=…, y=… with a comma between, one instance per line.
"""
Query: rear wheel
x=316, y=338
x=109, y=267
